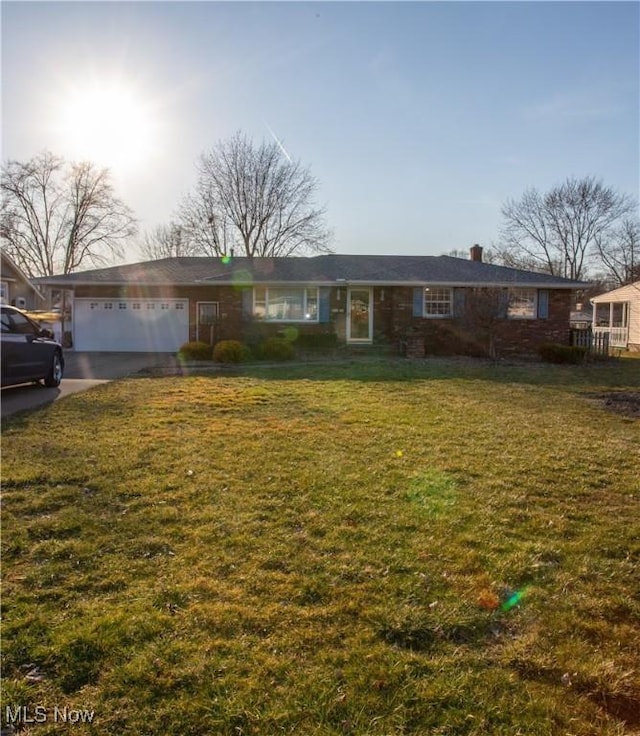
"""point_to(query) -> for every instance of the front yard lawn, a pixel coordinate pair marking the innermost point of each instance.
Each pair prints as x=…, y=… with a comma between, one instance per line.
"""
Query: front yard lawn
x=370, y=549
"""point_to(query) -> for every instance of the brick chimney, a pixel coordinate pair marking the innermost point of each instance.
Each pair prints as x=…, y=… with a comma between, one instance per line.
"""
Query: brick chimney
x=476, y=253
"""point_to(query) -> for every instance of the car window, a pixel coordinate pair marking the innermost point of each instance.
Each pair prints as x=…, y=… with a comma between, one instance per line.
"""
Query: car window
x=6, y=324
x=19, y=323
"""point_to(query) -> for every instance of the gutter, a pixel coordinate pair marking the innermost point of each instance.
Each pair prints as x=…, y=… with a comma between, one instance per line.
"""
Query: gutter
x=338, y=282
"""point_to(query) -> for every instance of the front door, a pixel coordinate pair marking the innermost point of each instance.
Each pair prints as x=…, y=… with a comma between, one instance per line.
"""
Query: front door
x=360, y=315
x=208, y=321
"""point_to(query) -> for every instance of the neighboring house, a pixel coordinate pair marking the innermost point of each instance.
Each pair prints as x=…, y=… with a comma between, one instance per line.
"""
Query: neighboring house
x=158, y=305
x=581, y=318
x=617, y=313
x=15, y=287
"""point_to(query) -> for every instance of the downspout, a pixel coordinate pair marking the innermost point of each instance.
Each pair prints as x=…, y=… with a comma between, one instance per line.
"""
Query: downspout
x=63, y=309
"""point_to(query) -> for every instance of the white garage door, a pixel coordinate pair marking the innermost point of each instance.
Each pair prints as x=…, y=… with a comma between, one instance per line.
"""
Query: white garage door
x=130, y=325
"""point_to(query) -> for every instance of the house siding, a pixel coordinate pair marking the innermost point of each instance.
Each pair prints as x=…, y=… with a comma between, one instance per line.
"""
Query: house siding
x=634, y=326
x=233, y=323
x=527, y=335
x=394, y=320
x=18, y=286
x=383, y=311
x=630, y=294
x=634, y=322
x=450, y=336
x=229, y=301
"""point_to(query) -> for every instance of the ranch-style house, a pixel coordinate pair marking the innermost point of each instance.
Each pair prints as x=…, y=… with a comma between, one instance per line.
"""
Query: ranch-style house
x=413, y=302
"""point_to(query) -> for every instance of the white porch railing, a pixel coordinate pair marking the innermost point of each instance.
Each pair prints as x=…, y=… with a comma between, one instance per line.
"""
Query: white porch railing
x=618, y=336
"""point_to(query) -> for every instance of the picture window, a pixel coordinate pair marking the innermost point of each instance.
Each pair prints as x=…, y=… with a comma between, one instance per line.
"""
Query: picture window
x=286, y=304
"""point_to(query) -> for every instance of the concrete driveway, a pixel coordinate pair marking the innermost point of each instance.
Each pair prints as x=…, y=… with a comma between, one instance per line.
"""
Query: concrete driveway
x=82, y=371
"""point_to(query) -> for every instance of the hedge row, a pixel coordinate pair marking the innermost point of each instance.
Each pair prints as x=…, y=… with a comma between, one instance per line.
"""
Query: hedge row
x=234, y=351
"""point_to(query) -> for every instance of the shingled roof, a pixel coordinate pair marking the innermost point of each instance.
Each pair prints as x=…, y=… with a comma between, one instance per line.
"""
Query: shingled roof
x=318, y=270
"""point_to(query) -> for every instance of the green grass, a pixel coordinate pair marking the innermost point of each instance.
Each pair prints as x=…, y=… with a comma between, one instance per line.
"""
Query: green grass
x=446, y=547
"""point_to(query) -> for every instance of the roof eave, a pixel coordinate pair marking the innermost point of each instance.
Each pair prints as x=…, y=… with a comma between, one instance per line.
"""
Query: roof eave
x=71, y=284
x=315, y=282
x=467, y=284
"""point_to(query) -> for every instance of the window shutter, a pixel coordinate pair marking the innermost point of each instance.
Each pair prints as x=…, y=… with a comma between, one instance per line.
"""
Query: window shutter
x=418, y=301
x=543, y=304
x=247, y=302
x=458, y=302
x=324, y=305
x=503, y=305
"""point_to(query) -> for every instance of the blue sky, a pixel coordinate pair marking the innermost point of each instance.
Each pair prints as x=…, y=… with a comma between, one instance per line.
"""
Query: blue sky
x=418, y=119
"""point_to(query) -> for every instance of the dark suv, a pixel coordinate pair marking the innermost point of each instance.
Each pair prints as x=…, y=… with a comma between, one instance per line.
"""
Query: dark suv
x=29, y=353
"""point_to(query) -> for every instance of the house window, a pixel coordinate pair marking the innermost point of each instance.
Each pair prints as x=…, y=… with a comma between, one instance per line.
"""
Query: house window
x=4, y=292
x=286, y=304
x=438, y=301
x=122, y=305
x=207, y=313
x=135, y=305
x=108, y=305
x=522, y=304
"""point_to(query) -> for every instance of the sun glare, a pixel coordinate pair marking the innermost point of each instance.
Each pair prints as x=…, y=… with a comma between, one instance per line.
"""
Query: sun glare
x=107, y=122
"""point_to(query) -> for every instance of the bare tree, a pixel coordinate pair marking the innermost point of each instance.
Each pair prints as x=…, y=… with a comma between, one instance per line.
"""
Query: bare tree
x=488, y=255
x=512, y=258
x=56, y=217
x=619, y=251
x=255, y=200
x=167, y=241
x=485, y=309
x=204, y=224
x=557, y=232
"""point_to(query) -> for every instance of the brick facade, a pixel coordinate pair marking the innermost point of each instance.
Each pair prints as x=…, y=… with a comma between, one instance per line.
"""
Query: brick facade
x=526, y=335
x=393, y=320
x=229, y=325
x=419, y=335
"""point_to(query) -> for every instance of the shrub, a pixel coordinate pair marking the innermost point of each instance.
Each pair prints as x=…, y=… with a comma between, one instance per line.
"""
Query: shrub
x=195, y=351
x=317, y=341
x=277, y=348
x=557, y=353
x=231, y=351
x=256, y=332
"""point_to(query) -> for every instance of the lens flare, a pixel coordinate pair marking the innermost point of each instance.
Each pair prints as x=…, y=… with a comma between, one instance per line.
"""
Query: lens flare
x=513, y=600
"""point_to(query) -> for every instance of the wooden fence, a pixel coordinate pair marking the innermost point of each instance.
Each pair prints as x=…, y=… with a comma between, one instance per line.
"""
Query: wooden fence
x=597, y=344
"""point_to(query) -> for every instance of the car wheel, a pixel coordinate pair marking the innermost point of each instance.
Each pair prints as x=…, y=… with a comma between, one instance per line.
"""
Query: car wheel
x=54, y=376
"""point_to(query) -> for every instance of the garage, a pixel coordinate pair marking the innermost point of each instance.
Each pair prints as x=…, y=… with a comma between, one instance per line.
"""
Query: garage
x=130, y=325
